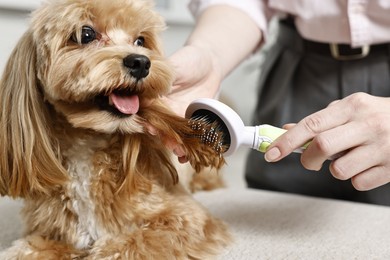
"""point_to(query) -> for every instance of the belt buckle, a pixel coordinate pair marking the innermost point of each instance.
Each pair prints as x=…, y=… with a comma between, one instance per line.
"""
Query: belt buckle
x=335, y=51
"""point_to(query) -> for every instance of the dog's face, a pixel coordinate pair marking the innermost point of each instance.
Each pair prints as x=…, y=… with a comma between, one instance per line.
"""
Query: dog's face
x=99, y=62
x=95, y=65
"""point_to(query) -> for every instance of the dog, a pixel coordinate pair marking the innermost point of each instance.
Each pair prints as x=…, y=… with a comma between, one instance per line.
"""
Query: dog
x=84, y=136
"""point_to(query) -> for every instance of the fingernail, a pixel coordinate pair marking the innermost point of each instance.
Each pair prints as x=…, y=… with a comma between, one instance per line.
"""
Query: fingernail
x=183, y=159
x=272, y=154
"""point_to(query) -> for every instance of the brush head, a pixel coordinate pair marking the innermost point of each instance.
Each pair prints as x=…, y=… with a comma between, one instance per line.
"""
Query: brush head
x=210, y=130
x=216, y=124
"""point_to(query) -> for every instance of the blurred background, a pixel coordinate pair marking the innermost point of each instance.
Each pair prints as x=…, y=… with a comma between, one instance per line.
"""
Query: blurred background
x=238, y=90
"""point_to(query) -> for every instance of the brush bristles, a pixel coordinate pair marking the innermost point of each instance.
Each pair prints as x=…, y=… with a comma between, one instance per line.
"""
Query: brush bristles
x=208, y=133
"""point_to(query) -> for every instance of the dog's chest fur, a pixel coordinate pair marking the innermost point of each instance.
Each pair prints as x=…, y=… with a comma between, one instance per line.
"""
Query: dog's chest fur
x=80, y=168
x=93, y=166
x=97, y=202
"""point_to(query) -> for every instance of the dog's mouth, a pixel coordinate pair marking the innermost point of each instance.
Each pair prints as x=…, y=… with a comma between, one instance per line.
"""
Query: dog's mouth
x=121, y=102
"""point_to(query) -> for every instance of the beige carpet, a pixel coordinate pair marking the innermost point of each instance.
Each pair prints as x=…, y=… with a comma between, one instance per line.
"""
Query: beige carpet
x=268, y=225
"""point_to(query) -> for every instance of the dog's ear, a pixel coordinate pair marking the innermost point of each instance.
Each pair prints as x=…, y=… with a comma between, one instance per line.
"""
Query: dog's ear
x=29, y=163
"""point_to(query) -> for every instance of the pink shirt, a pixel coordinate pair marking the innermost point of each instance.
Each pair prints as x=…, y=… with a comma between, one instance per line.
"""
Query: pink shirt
x=357, y=22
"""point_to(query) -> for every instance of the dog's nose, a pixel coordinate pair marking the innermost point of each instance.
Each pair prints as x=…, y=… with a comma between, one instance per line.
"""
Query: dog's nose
x=138, y=65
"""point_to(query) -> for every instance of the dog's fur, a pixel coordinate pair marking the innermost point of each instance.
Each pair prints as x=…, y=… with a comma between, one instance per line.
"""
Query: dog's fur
x=96, y=183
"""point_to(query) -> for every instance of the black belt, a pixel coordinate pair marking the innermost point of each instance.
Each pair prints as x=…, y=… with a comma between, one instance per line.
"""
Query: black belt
x=338, y=51
x=344, y=51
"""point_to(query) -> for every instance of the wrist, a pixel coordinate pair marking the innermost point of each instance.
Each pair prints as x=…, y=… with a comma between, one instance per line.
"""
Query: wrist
x=210, y=61
x=227, y=34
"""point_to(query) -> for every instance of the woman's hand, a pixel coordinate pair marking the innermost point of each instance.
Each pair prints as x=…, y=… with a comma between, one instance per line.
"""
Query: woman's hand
x=222, y=38
x=356, y=129
x=197, y=76
x=170, y=143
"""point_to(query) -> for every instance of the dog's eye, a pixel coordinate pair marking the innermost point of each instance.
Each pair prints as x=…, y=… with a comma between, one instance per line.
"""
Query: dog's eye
x=140, y=41
x=87, y=35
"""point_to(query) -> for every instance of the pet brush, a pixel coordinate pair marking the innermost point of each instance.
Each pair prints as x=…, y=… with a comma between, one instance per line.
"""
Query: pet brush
x=223, y=129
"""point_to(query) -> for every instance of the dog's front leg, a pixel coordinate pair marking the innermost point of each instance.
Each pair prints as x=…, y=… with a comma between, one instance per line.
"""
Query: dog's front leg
x=142, y=244
x=35, y=247
x=181, y=231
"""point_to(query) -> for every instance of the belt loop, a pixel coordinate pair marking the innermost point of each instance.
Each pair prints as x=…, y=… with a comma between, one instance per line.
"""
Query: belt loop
x=288, y=36
x=388, y=50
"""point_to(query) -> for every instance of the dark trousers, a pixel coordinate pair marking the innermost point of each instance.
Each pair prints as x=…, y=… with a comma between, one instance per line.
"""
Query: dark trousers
x=296, y=82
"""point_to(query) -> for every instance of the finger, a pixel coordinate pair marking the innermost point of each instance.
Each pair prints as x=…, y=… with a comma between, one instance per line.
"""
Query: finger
x=289, y=126
x=371, y=178
x=351, y=163
x=183, y=159
x=334, y=102
x=179, y=151
x=170, y=143
x=150, y=129
x=332, y=142
x=309, y=127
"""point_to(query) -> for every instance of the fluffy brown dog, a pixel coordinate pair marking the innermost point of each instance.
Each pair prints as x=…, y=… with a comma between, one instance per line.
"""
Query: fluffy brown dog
x=78, y=96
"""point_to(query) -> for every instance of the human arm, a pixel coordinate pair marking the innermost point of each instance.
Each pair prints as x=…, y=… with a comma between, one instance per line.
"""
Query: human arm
x=356, y=129
x=222, y=38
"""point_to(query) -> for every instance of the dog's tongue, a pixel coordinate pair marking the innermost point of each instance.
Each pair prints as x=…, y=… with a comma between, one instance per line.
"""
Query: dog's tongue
x=126, y=104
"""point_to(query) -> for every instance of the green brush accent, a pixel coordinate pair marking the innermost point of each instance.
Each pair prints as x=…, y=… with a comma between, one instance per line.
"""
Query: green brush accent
x=268, y=134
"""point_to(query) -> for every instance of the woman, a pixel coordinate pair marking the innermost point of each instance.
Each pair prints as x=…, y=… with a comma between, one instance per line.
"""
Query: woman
x=325, y=51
